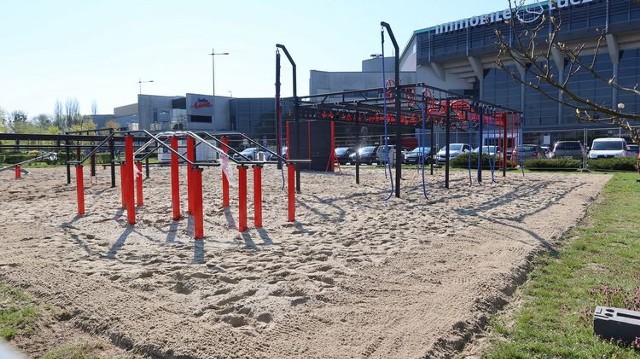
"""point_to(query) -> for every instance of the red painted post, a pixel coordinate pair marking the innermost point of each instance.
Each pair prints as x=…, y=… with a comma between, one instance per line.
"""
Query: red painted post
x=257, y=195
x=191, y=156
x=130, y=195
x=140, y=200
x=175, y=180
x=225, y=180
x=18, y=172
x=80, y=189
x=291, y=174
x=198, y=216
x=242, y=198
x=123, y=185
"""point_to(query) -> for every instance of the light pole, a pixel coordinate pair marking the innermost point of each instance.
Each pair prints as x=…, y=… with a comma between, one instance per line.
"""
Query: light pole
x=213, y=55
x=140, y=82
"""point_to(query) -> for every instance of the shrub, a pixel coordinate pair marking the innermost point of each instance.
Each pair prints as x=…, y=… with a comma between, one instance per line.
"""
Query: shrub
x=613, y=164
x=462, y=161
x=16, y=157
x=552, y=164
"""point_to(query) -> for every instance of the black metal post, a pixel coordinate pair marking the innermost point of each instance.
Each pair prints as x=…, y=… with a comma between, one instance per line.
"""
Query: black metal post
x=432, y=151
x=295, y=114
x=146, y=166
x=112, y=153
x=357, y=148
x=396, y=69
x=68, y=154
x=480, y=130
x=506, y=144
x=278, y=112
x=447, y=142
x=92, y=161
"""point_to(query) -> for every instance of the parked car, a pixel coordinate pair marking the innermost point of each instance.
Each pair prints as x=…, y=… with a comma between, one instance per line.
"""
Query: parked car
x=455, y=150
x=608, y=147
x=572, y=149
x=526, y=151
x=634, y=150
x=271, y=157
x=343, y=154
x=489, y=150
x=367, y=155
x=248, y=154
x=546, y=151
x=416, y=155
x=382, y=154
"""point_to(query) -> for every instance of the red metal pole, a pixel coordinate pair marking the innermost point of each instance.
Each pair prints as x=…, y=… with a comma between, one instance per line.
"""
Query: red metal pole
x=225, y=180
x=80, y=189
x=198, y=216
x=140, y=200
x=18, y=173
x=175, y=180
x=130, y=195
x=257, y=195
x=191, y=156
x=291, y=174
x=242, y=198
x=123, y=186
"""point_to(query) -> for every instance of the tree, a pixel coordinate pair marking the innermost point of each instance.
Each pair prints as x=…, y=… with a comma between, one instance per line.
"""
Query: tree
x=72, y=113
x=42, y=120
x=112, y=124
x=534, y=55
x=3, y=121
x=18, y=123
x=84, y=124
x=58, y=117
x=94, y=107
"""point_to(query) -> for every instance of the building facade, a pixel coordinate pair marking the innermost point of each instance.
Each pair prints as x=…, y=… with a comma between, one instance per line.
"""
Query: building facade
x=460, y=56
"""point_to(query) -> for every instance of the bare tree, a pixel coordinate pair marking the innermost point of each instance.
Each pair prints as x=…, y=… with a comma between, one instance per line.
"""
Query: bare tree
x=72, y=113
x=58, y=117
x=533, y=55
x=42, y=120
x=94, y=107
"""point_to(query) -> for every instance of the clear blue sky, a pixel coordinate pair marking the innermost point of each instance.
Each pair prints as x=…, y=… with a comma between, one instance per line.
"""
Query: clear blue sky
x=96, y=50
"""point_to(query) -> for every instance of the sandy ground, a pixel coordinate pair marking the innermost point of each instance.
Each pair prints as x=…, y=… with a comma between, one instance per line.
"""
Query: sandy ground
x=355, y=276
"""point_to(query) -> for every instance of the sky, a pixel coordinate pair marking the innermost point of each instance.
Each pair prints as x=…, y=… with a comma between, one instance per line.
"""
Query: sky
x=97, y=51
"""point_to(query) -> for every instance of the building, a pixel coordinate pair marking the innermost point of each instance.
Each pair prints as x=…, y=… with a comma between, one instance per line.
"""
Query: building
x=460, y=56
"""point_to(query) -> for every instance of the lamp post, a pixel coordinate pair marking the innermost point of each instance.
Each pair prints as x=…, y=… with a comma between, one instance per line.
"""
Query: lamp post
x=140, y=82
x=213, y=55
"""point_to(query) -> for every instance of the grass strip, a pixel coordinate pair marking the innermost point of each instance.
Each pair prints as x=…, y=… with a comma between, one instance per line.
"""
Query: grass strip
x=598, y=263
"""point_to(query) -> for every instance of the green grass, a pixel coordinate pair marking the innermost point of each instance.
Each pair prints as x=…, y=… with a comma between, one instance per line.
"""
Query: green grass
x=597, y=264
x=92, y=350
x=17, y=313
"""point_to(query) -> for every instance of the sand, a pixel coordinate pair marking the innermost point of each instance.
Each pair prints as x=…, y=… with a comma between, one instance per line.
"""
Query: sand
x=354, y=276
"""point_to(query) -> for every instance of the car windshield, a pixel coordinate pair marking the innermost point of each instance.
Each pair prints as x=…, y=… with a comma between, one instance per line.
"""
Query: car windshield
x=421, y=150
x=634, y=148
x=607, y=145
x=525, y=148
x=341, y=150
x=455, y=147
x=486, y=149
x=368, y=149
x=568, y=146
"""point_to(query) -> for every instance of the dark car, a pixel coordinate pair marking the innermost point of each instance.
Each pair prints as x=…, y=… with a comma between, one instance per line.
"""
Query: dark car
x=417, y=155
x=571, y=149
x=367, y=155
x=527, y=151
x=343, y=155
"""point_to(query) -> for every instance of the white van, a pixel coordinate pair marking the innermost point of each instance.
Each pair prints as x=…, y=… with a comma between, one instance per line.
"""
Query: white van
x=608, y=147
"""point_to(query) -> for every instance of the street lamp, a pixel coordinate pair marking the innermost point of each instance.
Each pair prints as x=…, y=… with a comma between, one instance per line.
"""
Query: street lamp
x=213, y=67
x=140, y=82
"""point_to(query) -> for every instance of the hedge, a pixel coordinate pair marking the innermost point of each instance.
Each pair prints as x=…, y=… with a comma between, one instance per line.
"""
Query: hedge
x=613, y=164
x=462, y=161
x=552, y=164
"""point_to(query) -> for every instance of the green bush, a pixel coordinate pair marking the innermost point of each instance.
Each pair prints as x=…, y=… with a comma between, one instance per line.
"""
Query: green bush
x=103, y=157
x=462, y=161
x=552, y=164
x=16, y=157
x=613, y=164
